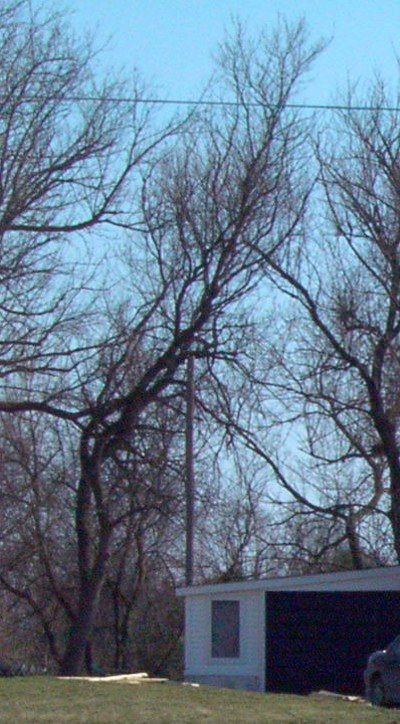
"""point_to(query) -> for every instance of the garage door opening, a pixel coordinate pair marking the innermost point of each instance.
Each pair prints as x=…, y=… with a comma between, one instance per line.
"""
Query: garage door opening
x=321, y=640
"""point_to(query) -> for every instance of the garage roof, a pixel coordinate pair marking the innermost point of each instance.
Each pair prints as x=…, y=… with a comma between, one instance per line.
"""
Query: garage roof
x=374, y=579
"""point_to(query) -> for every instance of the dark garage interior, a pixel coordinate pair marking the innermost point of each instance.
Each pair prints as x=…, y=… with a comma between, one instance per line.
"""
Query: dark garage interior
x=321, y=640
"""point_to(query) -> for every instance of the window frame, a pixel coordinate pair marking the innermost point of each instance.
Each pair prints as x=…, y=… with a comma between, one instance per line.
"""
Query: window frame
x=225, y=643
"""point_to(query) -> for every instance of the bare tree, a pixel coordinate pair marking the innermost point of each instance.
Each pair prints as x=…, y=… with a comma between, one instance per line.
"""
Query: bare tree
x=334, y=374
x=210, y=211
x=38, y=571
x=228, y=190
x=37, y=539
x=67, y=153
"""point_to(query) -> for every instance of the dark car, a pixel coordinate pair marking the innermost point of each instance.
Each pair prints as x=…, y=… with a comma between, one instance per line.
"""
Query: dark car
x=382, y=675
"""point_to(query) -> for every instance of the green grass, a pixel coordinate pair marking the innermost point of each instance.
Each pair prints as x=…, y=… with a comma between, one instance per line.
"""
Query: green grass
x=37, y=700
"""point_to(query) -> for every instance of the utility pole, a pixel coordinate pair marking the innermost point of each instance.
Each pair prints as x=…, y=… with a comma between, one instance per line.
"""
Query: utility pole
x=189, y=476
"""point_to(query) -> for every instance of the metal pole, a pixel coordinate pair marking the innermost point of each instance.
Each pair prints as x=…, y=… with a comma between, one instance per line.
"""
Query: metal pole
x=189, y=476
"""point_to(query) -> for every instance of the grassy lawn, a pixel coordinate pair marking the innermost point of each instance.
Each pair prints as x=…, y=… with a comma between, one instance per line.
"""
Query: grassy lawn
x=37, y=700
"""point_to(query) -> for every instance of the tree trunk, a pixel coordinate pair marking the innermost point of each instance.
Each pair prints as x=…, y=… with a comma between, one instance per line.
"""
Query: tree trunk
x=92, y=576
x=80, y=632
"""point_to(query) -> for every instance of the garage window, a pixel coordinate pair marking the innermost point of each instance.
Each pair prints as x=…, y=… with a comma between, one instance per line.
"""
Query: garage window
x=225, y=629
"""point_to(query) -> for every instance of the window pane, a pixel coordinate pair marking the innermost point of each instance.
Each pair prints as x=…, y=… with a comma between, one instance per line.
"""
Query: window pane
x=225, y=629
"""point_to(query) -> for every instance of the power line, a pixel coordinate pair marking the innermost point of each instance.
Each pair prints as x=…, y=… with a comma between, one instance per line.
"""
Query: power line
x=296, y=106
x=221, y=104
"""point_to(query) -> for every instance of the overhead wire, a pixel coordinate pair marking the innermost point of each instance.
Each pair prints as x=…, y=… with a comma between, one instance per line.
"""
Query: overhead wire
x=296, y=106
x=216, y=103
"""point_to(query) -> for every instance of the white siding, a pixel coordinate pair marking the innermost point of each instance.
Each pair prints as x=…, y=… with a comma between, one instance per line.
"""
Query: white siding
x=248, y=668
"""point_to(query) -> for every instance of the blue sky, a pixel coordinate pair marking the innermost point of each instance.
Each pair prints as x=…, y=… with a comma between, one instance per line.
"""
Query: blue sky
x=171, y=41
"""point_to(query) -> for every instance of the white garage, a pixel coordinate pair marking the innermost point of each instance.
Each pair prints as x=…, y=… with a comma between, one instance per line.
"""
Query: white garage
x=295, y=634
